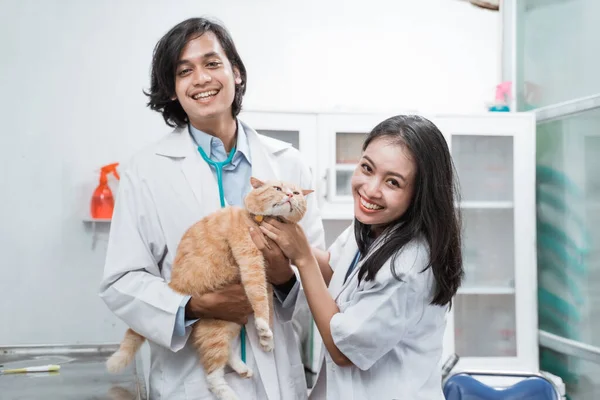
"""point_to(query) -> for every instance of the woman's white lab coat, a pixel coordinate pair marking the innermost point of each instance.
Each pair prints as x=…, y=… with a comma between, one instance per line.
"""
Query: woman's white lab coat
x=166, y=188
x=385, y=327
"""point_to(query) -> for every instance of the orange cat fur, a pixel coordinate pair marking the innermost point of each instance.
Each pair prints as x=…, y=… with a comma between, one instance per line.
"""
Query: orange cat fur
x=218, y=251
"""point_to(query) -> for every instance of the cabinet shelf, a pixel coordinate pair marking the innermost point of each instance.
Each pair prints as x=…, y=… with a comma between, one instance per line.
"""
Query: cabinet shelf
x=486, y=290
x=537, y=4
x=486, y=204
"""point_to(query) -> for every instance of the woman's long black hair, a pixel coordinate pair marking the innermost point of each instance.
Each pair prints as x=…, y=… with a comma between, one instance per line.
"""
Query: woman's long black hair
x=432, y=213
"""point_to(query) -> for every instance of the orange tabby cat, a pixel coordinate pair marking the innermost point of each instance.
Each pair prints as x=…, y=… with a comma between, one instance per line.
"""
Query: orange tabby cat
x=213, y=253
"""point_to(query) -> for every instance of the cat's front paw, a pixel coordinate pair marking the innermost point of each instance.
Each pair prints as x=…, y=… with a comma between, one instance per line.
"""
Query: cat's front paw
x=267, y=343
x=247, y=373
x=265, y=334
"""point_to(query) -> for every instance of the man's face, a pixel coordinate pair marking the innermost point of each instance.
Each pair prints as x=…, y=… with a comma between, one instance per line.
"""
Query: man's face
x=205, y=80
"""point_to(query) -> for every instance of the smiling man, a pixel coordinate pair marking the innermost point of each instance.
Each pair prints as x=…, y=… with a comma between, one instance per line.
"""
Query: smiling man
x=198, y=81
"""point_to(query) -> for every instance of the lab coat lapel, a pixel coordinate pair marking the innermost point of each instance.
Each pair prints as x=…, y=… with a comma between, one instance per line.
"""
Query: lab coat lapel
x=265, y=361
x=179, y=144
x=203, y=182
x=351, y=253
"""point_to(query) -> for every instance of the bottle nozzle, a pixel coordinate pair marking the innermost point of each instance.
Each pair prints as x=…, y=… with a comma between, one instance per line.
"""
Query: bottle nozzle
x=107, y=169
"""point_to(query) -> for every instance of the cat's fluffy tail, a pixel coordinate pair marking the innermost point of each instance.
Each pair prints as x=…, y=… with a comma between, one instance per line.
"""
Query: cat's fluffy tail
x=124, y=356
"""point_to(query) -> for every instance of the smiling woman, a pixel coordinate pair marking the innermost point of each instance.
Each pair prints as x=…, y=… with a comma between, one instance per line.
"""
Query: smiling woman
x=379, y=297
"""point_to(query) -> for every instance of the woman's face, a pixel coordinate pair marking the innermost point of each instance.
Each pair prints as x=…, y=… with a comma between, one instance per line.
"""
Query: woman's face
x=383, y=183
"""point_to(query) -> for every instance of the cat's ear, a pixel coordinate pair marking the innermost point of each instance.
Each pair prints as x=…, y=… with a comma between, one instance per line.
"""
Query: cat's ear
x=307, y=192
x=256, y=183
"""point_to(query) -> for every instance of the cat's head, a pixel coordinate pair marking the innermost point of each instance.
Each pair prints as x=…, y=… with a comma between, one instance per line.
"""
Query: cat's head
x=276, y=198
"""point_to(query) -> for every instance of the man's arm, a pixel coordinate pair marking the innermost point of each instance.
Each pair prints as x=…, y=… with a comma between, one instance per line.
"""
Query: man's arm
x=132, y=286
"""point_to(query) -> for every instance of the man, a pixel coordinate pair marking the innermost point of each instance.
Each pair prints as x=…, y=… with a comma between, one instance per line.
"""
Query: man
x=198, y=81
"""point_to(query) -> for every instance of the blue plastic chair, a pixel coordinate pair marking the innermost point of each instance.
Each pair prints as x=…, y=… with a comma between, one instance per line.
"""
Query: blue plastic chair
x=464, y=386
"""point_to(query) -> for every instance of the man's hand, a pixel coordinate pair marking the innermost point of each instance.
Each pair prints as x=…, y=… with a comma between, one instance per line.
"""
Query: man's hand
x=279, y=270
x=228, y=304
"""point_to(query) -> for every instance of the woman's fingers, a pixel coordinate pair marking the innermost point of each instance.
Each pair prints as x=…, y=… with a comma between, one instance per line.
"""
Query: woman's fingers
x=273, y=222
x=260, y=241
x=270, y=234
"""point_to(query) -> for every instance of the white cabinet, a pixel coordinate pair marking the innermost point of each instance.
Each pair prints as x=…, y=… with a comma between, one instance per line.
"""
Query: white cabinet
x=493, y=321
x=298, y=129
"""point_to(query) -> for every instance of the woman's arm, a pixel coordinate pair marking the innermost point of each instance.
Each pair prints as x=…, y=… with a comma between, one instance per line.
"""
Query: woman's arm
x=292, y=241
x=377, y=316
x=321, y=303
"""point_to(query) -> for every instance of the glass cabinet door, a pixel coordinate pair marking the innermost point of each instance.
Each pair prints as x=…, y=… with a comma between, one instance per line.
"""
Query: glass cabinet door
x=543, y=33
x=348, y=147
x=568, y=209
x=485, y=306
x=493, y=324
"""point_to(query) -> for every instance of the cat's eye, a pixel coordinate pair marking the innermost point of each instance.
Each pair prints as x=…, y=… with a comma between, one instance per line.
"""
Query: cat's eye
x=296, y=193
x=278, y=188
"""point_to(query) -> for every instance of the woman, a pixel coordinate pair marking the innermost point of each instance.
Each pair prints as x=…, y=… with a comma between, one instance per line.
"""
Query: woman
x=380, y=295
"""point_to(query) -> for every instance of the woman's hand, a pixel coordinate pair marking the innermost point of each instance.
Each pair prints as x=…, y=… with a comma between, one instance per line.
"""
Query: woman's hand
x=289, y=237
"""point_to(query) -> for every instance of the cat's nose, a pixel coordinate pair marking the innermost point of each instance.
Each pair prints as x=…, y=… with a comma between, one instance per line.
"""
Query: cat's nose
x=290, y=195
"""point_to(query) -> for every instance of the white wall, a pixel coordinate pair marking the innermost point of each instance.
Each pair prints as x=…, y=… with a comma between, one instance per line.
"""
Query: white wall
x=71, y=78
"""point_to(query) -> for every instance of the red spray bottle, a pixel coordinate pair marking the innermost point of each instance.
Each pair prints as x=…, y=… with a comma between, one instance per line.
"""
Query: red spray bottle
x=103, y=202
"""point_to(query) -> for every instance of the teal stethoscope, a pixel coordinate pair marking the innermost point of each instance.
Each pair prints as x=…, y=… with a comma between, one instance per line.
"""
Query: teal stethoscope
x=219, y=169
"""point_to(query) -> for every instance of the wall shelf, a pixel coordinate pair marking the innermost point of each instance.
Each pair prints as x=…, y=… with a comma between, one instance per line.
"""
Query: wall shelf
x=93, y=222
x=90, y=219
